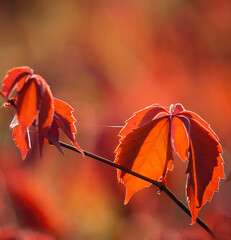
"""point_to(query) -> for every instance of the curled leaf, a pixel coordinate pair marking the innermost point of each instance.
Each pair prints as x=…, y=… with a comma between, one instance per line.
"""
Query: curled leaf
x=13, y=77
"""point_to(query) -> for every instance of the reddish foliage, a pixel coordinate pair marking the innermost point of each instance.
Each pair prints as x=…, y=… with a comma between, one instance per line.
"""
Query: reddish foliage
x=35, y=206
x=35, y=106
x=148, y=140
x=13, y=233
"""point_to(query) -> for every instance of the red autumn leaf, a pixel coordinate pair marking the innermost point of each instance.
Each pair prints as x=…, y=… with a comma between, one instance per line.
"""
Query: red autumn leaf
x=46, y=112
x=15, y=77
x=63, y=119
x=22, y=141
x=35, y=106
x=27, y=105
x=204, y=169
x=150, y=137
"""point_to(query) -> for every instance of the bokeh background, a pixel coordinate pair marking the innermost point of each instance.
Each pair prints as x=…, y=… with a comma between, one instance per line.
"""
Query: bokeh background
x=108, y=59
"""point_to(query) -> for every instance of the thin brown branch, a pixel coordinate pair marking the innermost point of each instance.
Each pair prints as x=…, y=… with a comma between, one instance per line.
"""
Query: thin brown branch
x=160, y=185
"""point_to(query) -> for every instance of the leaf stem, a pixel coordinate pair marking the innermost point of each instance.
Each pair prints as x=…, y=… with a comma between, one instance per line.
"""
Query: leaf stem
x=160, y=185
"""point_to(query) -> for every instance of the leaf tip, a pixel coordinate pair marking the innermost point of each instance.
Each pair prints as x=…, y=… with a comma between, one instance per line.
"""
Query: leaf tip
x=127, y=198
x=78, y=148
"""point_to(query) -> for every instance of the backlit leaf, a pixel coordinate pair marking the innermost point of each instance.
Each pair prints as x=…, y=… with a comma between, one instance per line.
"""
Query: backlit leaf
x=180, y=133
x=13, y=77
x=46, y=112
x=64, y=118
x=146, y=151
x=204, y=169
x=22, y=141
x=27, y=105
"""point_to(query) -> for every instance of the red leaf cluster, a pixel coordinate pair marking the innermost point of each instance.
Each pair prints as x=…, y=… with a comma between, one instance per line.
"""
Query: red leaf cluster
x=150, y=137
x=35, y=106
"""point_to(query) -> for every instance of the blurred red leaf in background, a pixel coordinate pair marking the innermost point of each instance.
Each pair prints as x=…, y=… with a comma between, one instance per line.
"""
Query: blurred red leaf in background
x=14, y=233
x=35, y=206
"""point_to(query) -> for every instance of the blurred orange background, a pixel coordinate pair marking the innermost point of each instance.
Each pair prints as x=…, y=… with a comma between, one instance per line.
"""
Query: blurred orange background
x=108, y=59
